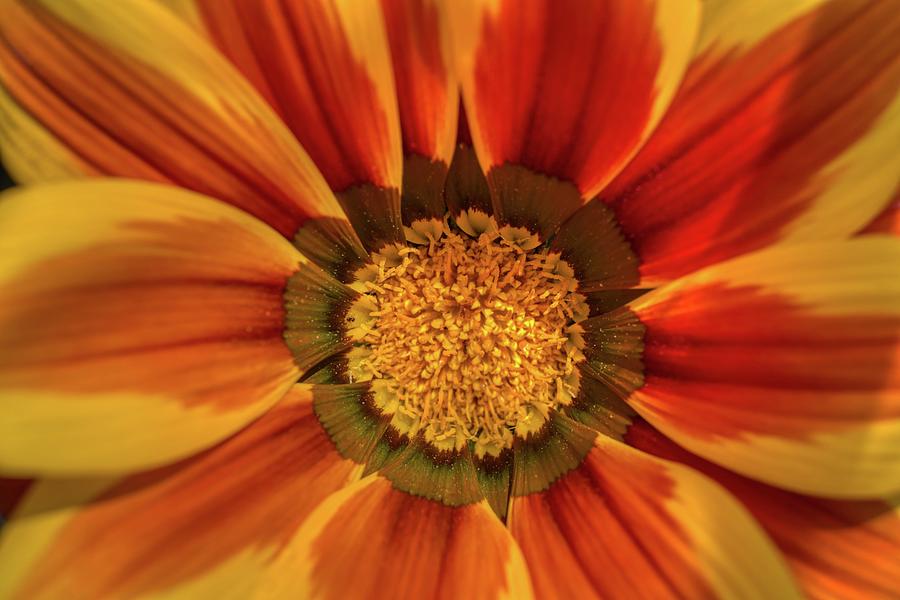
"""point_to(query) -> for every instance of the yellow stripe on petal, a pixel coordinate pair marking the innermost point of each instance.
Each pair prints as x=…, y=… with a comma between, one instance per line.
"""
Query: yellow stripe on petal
x=713, y=521
x=138, y=323
x=783, y=366
x=853, y=191
x=741, y=25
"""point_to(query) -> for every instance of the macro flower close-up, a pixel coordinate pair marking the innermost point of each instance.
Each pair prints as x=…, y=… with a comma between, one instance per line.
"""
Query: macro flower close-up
x=419, y=299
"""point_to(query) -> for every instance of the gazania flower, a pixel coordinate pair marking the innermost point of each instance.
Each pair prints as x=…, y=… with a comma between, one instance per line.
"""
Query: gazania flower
x=609, y=332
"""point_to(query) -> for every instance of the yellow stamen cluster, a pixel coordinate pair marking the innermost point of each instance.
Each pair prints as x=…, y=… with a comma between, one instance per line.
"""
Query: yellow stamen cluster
x=471, y=340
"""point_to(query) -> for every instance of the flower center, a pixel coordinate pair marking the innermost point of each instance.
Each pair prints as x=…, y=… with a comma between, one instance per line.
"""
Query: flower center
x=471, y=340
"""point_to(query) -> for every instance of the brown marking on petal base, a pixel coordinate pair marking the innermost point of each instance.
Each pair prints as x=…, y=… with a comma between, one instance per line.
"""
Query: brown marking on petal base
x=525, y=198
x=600, y=407
x=355, y=426
x=315, y=309
x=374, y=213
x=604, y=301
x=614, y=344
x=423, y=189
x=495, y=478
x=592, y=242
x=445, y=476
x=333, y=245
x=559, y=447
x=466, y=187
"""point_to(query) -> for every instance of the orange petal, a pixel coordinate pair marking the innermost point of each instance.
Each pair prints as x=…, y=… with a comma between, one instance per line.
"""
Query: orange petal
x=197, y=529
x=782, y=365
x=566, y=89
x=372, y=541
x=139, y=323
x=785, y=128
x=428, y=101
x=126, y=89
x=835, y=548
x=626, y=525
x=325, y=67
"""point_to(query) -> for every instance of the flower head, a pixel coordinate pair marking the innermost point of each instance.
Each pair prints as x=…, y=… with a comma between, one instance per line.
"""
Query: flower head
x=278, y=318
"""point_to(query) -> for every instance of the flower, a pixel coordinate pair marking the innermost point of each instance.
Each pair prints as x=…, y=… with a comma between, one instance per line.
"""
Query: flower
x=610, y=333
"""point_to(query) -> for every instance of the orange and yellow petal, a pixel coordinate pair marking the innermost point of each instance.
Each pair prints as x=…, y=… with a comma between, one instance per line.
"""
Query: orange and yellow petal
x=102, y=87
x=567, y=90
x=625, y=525
x=835, y=548
x=427, y=93
x=782, y=365
x=373, y=541
x=785, y=129
x=325, y=67
x=207, y=527
x=138, y=323
x=428, y=100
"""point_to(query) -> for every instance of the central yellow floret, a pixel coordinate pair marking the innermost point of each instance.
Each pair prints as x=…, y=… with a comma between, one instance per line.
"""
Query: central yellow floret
x=471, y=340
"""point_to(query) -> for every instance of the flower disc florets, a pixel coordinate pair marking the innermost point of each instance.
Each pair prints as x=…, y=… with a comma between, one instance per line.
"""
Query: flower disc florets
x=470, y=339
